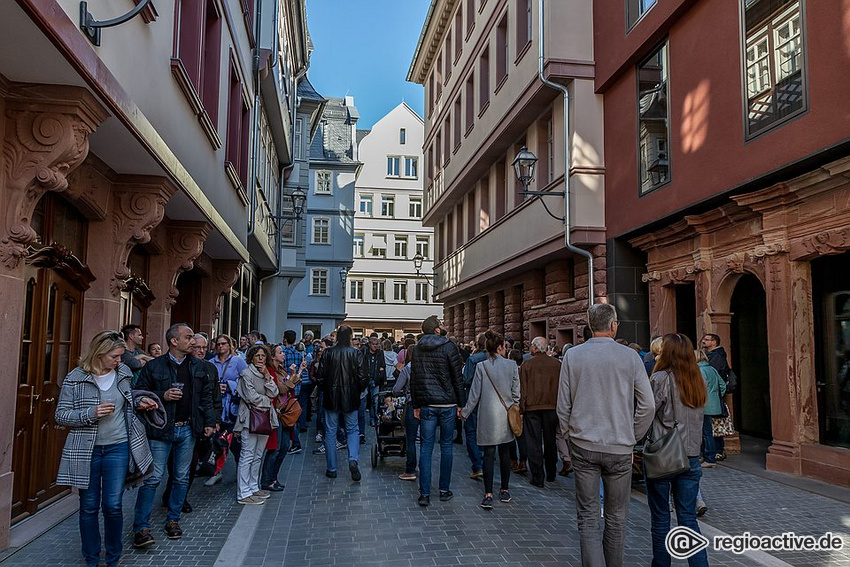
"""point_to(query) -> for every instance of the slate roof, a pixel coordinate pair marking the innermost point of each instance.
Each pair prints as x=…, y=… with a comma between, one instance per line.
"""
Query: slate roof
x=361, y=134
x=332, y=141
x=307, y=92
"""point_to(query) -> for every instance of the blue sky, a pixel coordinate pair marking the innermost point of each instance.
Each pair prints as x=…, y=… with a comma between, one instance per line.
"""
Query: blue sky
x=364, y=48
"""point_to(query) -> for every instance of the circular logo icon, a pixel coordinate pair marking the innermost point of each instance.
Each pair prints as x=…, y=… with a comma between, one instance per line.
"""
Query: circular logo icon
x=683, y=542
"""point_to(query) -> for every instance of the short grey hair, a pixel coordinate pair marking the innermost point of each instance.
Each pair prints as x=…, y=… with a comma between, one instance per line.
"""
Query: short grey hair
x=201, y=336
x=601, y=316
x=539, y=343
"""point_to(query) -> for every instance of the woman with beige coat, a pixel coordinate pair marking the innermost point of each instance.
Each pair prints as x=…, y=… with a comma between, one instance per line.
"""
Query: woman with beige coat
x=257, y=389
x=495, y=385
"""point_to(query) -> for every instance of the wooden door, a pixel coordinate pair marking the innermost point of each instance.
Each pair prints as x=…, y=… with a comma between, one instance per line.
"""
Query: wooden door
x=50, y=349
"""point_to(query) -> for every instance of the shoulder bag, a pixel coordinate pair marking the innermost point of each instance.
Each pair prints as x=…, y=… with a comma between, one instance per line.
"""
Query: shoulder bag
x=261, y=423
x=289, y=411
x=666, y=457
x=514, y=417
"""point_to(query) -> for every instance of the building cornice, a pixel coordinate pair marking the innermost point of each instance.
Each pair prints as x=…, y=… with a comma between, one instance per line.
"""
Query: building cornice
x=436, y=22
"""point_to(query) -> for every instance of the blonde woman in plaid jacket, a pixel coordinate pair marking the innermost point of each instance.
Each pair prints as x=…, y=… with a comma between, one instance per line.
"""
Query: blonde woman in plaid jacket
x=106, y=441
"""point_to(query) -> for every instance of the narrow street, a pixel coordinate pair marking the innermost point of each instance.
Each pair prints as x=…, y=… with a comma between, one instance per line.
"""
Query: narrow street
x=317, y=521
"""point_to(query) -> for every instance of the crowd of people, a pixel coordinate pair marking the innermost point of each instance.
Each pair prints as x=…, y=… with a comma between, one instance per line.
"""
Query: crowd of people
x=137, y=416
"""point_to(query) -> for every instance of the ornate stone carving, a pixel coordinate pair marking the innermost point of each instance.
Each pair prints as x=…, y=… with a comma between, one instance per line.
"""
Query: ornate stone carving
x=735, y=263
x=651, y=277
x=225, y=273
x=138, y=207
x=46, y=136
x=771, y=249
x=827, y=242
x=182, y=242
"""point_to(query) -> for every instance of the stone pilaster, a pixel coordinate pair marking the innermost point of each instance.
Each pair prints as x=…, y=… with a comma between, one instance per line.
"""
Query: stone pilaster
x=497, y=311
x=181, y=243
x=137, y=206
x=558, y=278
x=458, y=322
x=482, y=314
x=224, y=274
x=513, y=312
x=469, y=322
x=46, y=133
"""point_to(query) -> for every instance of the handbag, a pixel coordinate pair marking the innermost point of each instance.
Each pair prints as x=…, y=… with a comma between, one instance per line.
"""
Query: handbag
x=261, y=423
x=289, y=411
x=666, y=457
x=722, y=426
x=514, y=417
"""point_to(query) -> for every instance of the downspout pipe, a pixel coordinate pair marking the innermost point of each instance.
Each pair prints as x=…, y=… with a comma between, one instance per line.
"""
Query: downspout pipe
x=567, y=156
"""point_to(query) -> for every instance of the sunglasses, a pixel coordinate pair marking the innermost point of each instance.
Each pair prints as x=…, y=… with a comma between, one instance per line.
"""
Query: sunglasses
x=114, y=336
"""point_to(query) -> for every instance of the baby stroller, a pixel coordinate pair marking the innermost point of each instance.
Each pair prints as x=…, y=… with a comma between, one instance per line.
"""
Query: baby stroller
x=389, y=430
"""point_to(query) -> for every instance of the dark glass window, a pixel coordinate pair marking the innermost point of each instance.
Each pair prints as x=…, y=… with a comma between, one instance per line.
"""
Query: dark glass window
x=653, y=121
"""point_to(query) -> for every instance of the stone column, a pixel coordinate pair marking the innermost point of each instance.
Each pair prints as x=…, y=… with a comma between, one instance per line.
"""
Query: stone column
x=790, y=336
x=497, y=311
x=224, y=274
x=46, y=133
x=558, y=281
x=137, y=206
x=459, y=318
x=181, y=243
x=513, y=312
x=482, y=314
x=449, y=320
x=469, y=322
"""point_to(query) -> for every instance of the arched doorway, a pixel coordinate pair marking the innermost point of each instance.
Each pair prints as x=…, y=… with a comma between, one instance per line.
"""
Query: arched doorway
x=55, y=278
x=750, y=358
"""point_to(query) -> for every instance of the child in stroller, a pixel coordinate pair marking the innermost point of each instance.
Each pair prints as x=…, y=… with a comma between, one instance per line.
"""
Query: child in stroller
x=391, y=414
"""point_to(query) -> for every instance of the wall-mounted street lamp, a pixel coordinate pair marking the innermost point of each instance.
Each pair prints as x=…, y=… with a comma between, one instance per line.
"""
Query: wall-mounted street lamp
x=91, y=27
x=343, y=275
x=299, y=201
x=658, y=169
x=417, y=262
x=524, y=164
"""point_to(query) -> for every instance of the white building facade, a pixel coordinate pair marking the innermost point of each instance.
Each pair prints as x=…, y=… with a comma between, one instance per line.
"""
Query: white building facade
x=384, y=293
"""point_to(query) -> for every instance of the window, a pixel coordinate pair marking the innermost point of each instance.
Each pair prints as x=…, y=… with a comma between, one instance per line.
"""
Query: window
x=457, y=120
x=288, y=232
x=366, y=204
x=448, y=51
x=379, y=291
x=323, y=182
x=653, y=121
x=458, y=32
x=358, y=245
x=431, y=98
x=402, y=136
x=387, y=205
x=421, y=291
x=411, y=167
x=423, y=247
x=484, y=80
x=198, y=61
x=415, y=210
x=774, y=62
x=321, y=230
x=523, y=24
x=318, y=281
x=238, y=132
x=635, y=9
x=393, y=166
x=447, y=141
x=296, y=144
x=355, y=290
x=400, y=246
x=470, y=15
x=399, y=291
x=470, y=102
x=502, y=51
x=379, y=246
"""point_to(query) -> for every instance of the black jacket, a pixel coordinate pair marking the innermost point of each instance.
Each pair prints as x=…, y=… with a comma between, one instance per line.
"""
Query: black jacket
x=341, y=376
x=435, y=373
x=376, y=368
x=212, y=374
x=158, y=375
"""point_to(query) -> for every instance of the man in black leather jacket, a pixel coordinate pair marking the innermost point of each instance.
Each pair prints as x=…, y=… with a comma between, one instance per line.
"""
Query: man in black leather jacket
x=437, y=394
x=342, y=376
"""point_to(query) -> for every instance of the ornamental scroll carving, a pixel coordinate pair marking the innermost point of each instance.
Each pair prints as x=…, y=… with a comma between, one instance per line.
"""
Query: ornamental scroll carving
x=182, y=243
x=46, y=137
x=225, y=275
x=138, y=209
x=827, y=242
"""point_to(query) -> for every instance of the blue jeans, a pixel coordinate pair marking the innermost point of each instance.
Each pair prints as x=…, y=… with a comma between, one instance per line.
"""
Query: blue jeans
x=429, y=419
x=361, y=417
x=331, y=426
x=709, y=451
x=273, y=459
x=411, y=424
x=470, y=429
x=183, y=445
x=685, y=487
x=109, y=465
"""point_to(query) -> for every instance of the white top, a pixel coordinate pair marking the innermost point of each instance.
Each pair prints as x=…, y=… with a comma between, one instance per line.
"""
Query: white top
x=105, y=382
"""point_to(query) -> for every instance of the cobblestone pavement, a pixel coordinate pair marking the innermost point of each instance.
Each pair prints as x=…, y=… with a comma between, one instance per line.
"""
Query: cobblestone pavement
x=318, y=522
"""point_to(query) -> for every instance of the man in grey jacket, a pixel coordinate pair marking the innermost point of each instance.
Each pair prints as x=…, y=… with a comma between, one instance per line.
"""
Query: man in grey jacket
x=605, y=404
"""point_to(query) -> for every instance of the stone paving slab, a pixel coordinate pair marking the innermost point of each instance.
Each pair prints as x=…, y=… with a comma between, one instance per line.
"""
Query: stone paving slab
x=318, y=521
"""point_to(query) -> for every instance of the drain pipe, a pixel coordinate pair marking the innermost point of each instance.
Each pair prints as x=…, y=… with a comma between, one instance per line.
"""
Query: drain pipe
x=567, y=158
x=255, y=145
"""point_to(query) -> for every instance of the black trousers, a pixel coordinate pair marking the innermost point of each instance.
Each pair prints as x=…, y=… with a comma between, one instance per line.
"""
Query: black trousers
x=540, y=428
x=490, y=465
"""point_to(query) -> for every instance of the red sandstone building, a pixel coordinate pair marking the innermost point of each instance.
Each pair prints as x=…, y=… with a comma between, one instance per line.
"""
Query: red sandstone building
x=727, y=136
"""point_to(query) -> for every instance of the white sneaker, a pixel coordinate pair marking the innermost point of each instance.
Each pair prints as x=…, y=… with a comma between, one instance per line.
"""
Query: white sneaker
x=213, y=480
x=319, y=438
